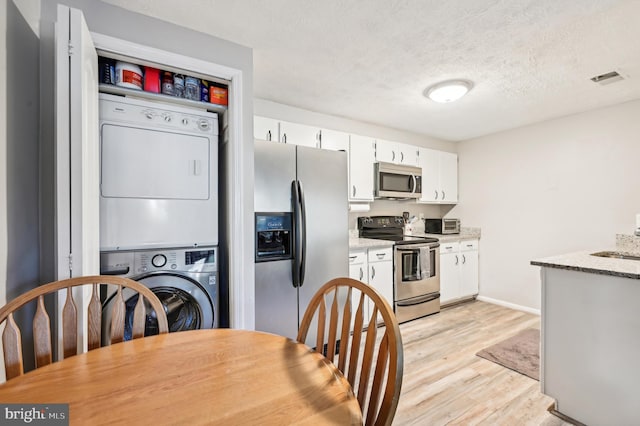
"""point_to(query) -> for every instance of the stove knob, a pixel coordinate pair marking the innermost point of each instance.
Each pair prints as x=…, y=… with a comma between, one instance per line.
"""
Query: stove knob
x=159, y=260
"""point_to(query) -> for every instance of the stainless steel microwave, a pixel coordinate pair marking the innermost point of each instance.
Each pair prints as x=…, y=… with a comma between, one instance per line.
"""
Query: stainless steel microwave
x=396, y=181
x=442, y=226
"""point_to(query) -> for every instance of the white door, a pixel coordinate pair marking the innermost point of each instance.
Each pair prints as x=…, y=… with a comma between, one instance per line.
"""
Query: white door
x=387, y=151
x=334, y=140
x=361, y=159
x=381, y=278
x=77, y=144
x=408, y=154
x=449, y=177
x=265, y=129
x=469, y=273
x=449, y=275
x=299, y=134
x=429, y=161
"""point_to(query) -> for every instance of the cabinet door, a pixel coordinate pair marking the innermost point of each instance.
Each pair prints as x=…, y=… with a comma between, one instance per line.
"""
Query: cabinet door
x=358, y=272
x=361, y=159
x=449, y=177
x=429, y=162
x=408, y=154
x=265, y=129
x=469, y=268
x=381, y=278
x=387, y=151
x=449, y=272
x=299, y=134
x=336, y=141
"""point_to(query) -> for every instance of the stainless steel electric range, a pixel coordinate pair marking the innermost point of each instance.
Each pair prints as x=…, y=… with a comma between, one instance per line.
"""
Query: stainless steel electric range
x=416, y=266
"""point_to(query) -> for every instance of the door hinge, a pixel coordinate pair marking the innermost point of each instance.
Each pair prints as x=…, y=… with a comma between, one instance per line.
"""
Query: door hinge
x=70, y=48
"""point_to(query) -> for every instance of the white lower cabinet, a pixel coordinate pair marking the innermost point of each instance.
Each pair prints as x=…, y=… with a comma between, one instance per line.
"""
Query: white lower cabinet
x=458, y=271
x=373, y=267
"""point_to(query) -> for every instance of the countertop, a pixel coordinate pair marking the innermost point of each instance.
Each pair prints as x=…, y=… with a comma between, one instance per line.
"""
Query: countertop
x=583, y=261
x=356, y=243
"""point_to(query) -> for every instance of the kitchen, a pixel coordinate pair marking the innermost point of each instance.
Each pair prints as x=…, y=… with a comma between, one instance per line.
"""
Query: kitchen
x=529, y=186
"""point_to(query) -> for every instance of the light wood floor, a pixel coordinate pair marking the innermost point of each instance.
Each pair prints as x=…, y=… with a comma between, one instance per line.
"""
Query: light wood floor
x=445, y=383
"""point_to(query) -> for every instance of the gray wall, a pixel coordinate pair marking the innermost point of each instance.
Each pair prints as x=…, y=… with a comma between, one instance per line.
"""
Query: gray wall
x=19, y=94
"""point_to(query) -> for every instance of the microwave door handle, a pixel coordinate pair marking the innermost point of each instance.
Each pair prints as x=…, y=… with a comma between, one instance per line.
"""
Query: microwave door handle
x=415, y=184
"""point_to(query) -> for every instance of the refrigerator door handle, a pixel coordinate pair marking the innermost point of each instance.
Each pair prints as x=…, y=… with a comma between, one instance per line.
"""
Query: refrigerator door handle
x=297, y=235
x=303, y=230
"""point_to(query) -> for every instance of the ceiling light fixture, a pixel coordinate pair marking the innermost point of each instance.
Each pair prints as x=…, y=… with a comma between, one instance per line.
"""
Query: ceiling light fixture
x=448, y=91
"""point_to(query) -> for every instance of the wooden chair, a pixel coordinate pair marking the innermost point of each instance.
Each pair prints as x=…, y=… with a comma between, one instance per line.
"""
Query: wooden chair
x=378, y=398
x=12, y=340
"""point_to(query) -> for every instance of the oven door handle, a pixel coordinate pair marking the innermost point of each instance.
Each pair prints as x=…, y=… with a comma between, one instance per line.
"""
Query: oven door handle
x=418, y=300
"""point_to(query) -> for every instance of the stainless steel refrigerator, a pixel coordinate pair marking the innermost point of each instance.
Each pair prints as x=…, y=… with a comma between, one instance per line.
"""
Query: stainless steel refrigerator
x=301, y=234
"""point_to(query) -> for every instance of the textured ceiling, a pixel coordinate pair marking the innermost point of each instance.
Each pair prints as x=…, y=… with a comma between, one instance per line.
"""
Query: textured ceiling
x=370, y=60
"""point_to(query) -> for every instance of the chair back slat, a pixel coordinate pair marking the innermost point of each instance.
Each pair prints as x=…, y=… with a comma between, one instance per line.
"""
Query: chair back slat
x=333, y=328
x=139, y=315
x=367, y=358
x=322, y=319
x=117, y=317
x=12, y=348
x=355, y=343
x=69, y=326
x=94, y=319
x=375, y=363
x=345, y=333
x=42, y=335
x=42, y=343
x=378, y=378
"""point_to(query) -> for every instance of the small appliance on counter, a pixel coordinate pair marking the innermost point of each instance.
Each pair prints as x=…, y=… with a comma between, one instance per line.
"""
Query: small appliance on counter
x=442, y=226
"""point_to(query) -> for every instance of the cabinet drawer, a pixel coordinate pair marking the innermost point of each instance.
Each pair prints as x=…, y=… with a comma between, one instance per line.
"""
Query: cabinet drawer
x=449, y=247
x=468, y=245
x=380, y=255
x=356, y=257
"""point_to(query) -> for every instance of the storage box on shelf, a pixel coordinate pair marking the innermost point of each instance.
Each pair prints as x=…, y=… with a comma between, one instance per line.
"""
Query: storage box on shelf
x=458, y=271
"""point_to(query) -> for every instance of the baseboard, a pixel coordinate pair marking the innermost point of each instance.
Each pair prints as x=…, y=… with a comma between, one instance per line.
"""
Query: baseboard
x=509, y=305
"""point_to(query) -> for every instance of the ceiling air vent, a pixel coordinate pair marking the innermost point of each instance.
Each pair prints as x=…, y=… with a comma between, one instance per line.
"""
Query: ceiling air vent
x=608, y=78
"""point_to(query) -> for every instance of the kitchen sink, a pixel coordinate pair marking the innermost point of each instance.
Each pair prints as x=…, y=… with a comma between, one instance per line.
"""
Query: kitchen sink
x=616, y=255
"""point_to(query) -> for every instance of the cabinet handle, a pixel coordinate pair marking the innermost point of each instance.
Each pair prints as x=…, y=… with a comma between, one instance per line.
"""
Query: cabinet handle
x=457, y=259
x=469, y=245
x=373, y=272
x=269, y=135
x=464, y=259
x=380, y=255
x=436, y=194
x=354, y=190
x=352, y=257
x=361, y=273
x=284, y=138
x=443, y=194
x=401, y=157
x=393, y=156
x=319, y=139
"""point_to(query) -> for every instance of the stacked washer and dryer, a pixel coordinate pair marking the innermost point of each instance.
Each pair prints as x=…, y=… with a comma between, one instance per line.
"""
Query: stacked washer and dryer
x=159, y=208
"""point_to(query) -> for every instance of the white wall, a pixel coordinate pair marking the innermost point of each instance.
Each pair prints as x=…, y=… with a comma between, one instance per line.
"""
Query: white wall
x=283, y=112
x=563, y=185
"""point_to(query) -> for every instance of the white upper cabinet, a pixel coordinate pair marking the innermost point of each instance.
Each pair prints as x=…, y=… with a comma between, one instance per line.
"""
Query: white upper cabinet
x=361, y=159
x=396, y=152
x=265, y=129
x=299, y=134
x=336, y=141
x=439, y=176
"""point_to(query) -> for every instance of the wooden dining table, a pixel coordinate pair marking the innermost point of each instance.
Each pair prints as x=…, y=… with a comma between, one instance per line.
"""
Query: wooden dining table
x=218, y=376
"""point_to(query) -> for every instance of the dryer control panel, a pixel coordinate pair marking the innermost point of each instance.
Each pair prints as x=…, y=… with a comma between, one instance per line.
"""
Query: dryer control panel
x=201, y=259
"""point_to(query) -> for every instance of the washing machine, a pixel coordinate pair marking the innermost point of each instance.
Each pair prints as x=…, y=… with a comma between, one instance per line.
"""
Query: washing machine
x=185, y=281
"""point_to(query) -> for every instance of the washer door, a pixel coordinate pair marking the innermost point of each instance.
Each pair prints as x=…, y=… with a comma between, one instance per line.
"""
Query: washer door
x=186, y=304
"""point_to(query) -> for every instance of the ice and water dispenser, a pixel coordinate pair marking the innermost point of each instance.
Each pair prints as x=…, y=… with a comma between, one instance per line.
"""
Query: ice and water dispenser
x=274, y=234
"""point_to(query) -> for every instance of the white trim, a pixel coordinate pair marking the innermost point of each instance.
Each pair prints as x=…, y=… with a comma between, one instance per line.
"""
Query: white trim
x=241, y=278
x=134, y=50
x=509, y=305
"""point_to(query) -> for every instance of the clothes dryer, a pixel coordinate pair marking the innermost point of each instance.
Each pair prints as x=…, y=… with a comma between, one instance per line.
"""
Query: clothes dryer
x=185, y=281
